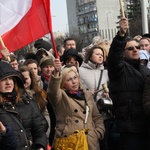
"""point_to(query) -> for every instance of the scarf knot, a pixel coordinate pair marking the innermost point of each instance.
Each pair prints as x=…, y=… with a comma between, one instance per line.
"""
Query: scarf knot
x=79, y=94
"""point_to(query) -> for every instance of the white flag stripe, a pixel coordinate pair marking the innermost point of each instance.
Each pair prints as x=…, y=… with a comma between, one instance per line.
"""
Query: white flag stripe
x=11, y=12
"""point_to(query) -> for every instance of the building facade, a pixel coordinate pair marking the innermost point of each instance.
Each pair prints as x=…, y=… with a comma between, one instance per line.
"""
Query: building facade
x=94, y=17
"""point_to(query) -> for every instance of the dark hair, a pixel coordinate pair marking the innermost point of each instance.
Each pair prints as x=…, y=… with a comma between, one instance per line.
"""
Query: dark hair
x=68, y=39
x=129, y=39
x=69, y=58
x=13, y=57
x=40, y=53
x=30, y=61
x=30, y=56
x=89, y=52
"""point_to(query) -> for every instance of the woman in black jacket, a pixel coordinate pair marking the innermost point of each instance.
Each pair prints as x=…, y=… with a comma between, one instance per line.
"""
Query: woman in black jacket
x=20, y=111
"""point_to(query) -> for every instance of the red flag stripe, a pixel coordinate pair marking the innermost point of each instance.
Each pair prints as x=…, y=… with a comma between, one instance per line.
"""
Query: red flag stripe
x=35, y=24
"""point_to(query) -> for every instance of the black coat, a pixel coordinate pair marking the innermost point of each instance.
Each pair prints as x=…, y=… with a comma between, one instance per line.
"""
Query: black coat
x=32, y=120
x=126, y=88
x=8, y=140
x=146, y=96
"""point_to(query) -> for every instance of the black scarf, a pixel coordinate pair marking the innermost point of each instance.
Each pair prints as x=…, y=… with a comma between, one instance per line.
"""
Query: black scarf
x=9, y=96
x=133, y=63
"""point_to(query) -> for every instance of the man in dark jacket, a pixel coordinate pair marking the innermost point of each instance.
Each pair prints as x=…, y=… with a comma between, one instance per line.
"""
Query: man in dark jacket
x=126, y=86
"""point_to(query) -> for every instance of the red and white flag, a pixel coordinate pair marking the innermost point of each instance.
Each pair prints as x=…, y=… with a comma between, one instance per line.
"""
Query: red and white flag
x=22, y=22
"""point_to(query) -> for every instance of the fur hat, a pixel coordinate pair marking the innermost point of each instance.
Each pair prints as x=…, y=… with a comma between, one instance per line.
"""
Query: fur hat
x=48, y=60
x=40, y=43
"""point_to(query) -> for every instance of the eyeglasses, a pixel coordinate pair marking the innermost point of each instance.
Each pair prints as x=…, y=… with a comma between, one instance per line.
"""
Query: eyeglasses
x=131, y=48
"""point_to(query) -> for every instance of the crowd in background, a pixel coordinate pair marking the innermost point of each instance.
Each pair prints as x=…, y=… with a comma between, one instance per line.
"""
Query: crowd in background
x=107, y=85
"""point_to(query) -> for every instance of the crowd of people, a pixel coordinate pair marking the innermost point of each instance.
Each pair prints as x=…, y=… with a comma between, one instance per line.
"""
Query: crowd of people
x=104, y=91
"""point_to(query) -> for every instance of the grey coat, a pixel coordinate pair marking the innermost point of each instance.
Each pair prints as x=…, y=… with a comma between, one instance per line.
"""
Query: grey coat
x=70, y=114
x=90, y=75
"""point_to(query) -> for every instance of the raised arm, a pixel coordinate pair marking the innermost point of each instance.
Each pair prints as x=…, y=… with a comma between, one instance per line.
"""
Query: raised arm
x=115, y=55
x=54, y=92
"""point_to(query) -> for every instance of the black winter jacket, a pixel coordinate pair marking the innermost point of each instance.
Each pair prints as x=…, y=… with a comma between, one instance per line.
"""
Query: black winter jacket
x=126, y=88
x=32, y=120
x=8, y=140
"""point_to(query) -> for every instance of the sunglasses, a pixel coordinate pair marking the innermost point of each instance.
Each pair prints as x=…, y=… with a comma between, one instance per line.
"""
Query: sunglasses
x=131, y=48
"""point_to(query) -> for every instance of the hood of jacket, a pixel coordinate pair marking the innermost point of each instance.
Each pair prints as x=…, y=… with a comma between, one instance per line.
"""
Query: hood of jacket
x=6, y=70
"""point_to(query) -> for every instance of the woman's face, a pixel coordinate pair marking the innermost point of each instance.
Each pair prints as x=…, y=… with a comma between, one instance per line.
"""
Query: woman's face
x=7, y=85
x=27, y=79
x=34, y=68
x=97, y=56
x=71, y=81
x=47, y=70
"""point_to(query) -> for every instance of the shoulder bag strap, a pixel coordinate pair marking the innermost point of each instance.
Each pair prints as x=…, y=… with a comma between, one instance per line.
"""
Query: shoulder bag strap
x=20, y=124
x=99, y=82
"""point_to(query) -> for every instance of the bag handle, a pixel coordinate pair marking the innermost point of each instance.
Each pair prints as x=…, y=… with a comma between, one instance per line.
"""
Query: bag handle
x=99, y=82
x=87, y=107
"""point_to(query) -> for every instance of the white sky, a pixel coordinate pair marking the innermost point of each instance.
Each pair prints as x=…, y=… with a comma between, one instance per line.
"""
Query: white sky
x=59, y=15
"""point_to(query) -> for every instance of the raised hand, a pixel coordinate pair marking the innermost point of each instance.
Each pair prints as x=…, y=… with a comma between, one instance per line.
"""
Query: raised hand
x=124, y=25
x=5, y=54
x=57, y=65
x=2, y=128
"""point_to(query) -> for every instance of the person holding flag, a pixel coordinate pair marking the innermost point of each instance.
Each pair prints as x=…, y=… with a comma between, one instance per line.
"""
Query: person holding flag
x=126, y=76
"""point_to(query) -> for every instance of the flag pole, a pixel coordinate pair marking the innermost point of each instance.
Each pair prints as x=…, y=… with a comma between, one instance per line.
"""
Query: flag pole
x=3, y=47
x=121, y=7
x=50, y=29
x=2, y=43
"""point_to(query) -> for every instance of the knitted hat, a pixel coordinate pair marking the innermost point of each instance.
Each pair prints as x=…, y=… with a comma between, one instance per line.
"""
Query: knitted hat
x=45, y=61
x=40, y=43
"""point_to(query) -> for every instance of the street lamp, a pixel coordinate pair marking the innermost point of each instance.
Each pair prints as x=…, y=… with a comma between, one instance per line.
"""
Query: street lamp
x=108, y=24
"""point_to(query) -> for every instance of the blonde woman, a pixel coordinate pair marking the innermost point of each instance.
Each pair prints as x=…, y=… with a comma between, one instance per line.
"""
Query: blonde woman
x=69, y=101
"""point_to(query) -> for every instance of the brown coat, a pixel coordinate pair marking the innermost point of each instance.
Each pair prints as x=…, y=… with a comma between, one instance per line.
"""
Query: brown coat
x=70, y=114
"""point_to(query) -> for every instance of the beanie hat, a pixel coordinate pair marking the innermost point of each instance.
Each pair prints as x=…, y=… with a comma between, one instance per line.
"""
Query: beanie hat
x=146, y=35
x=6, y=70
x=40, y=43
x=45, y=61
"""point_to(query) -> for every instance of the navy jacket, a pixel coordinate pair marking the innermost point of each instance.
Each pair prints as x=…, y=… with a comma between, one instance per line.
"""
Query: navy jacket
x=8, y=140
